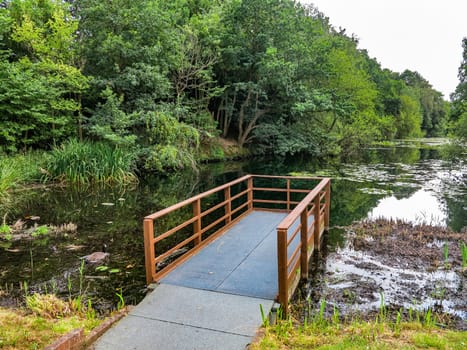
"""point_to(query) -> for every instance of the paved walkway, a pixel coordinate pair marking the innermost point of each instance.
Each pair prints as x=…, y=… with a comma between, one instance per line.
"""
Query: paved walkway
x=212, y=301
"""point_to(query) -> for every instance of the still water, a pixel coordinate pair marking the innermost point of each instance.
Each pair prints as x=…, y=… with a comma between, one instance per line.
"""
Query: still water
x=400, y=183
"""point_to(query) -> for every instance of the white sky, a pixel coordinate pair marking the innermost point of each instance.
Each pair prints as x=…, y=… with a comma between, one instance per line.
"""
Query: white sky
x=420, y=35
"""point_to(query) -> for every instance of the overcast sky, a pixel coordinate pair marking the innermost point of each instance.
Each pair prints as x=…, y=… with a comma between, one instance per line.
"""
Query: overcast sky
x=420, y=35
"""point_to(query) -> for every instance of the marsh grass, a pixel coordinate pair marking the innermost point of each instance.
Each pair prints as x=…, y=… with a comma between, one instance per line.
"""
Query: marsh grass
x=87, y=163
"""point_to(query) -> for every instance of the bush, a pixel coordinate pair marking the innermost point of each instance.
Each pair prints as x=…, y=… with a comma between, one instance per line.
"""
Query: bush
x=87, y=162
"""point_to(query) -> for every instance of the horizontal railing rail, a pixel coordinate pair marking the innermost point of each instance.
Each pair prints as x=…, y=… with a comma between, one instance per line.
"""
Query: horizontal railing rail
x=238, y=198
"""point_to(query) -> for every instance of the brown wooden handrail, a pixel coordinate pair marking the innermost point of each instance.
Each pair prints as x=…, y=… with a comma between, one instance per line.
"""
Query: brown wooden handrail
x=290, y=269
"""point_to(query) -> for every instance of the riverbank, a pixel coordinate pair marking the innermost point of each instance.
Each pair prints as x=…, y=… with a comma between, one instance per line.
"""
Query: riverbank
x=392, y=285
x=358, y=334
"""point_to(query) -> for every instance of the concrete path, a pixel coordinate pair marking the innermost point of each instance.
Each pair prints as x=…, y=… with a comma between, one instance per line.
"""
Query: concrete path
x=199, y=319
x=212, y=301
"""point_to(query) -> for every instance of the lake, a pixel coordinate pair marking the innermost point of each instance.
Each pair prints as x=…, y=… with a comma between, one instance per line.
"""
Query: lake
x=406, y=183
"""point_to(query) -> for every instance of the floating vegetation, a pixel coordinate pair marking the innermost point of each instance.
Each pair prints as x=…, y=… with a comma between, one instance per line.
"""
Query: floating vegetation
x=377, y=191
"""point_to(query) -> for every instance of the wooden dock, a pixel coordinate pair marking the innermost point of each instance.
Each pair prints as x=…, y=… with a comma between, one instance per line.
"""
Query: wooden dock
x=217, y=258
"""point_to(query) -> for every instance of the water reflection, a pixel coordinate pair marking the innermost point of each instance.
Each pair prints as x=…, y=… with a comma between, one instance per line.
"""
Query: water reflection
x=422, y=207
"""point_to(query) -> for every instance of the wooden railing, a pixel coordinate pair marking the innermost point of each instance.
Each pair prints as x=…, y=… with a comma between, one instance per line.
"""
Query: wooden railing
x=297, y=235
x=196, y=240
x=238, y=198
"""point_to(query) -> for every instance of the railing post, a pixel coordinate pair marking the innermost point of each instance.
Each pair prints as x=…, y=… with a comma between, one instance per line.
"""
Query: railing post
x=288, y=194
x=317, y=223
x=197, y=223
x=228, y=206
x=328, y=205
x=149, y=250
x=282, y=269
x=250, y=193
x=304, y=240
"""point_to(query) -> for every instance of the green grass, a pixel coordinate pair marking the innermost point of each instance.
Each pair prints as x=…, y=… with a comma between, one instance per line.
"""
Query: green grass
x=463, y=248
x=85, y=162
x=21, y=329
x=322, y=334
x=19, y=169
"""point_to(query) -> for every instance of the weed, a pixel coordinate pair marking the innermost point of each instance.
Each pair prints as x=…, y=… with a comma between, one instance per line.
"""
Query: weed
x=81, y=277
x=463, y=248
x=24, y=287
x=264, y=318
x=322, y=308
x=48, y=306
x=69, y=286
x=382, y=308
x=90, y=312
x=121, y=301
x=4, y=229
x=397, y=325
x=428, y=319
x=335, y=317
x=40, y=231
x=446, y=255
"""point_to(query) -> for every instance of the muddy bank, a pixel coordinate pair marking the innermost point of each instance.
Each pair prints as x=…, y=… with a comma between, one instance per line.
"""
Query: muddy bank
x=396, y=264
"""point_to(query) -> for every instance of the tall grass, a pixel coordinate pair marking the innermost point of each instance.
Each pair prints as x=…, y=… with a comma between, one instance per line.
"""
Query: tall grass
x=89, y=163
x=19, y=169
x=463, y=248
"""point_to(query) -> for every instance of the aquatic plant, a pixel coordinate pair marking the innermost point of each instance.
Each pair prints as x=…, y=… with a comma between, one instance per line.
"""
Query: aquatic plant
x=463, y=248
x=446, y=255
x=40, y=231
x=5, y=232
x=82, y=162
x=121, y=301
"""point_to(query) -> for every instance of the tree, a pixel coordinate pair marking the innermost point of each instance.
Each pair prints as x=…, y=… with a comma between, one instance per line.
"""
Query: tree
x=459, y=98
x=39, y=83
x=434, y=108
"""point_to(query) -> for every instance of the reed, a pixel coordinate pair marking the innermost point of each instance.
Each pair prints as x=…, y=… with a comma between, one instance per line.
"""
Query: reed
x=87, y=163
x=463, y=248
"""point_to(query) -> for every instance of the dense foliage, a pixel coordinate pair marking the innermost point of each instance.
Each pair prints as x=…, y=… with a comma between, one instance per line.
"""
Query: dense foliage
x=459, y=98
x=162, y=77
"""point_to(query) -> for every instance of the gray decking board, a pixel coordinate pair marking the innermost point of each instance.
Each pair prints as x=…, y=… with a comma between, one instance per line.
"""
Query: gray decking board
x=242, y=261
x=212, y=300
x=180, y=318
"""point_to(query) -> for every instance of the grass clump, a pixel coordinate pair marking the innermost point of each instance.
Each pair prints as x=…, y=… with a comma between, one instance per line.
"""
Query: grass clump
x=44, y=319
x=318, y=332
x=19, y=169
x=83, y=162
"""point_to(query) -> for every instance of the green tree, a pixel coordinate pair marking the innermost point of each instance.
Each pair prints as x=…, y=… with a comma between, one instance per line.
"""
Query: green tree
x=39, y=82
x=434, y=108
x=409, y=118
x=459, y=99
